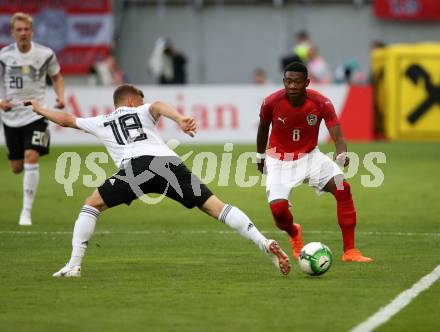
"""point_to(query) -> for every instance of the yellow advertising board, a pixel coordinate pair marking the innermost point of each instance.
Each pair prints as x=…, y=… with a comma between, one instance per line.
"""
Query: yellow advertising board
x=407, y=90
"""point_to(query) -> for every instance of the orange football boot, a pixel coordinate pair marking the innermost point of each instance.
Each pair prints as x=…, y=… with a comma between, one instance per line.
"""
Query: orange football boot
x=354, y=255
x=297, y=242
x=278, y=256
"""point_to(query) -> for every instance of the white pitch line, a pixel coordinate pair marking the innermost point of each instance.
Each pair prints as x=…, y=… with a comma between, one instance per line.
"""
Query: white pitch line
x=147, y=232
x=402, y=300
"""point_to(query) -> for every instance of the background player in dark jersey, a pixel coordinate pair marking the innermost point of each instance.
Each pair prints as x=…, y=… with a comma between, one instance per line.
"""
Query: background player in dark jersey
x=295, y=114
x=23, y=69
x=131, y=138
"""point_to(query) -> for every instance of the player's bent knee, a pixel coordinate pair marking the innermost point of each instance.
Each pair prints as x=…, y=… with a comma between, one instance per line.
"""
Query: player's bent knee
x=17, y=166
x=95, y=200
x=31, y=156
x=343, y=194
x=279, y=209
x=17, y=170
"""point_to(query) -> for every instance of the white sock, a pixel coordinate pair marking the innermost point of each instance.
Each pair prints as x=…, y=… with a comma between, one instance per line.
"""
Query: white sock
x=30, y=184
x=82, y=233
x=236, y=219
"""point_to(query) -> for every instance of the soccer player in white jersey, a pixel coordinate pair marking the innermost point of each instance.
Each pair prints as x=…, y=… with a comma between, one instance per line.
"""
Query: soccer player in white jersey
x=146, y=165
x=23, y=69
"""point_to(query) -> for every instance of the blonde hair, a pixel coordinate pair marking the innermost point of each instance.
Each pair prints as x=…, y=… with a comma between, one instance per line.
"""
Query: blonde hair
x=19, y=16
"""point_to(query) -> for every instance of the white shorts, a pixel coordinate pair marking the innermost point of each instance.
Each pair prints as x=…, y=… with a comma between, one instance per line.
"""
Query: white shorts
x=314, y=168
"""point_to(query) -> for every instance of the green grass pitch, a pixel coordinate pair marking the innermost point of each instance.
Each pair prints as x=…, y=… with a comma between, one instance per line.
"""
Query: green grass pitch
x=165, y=268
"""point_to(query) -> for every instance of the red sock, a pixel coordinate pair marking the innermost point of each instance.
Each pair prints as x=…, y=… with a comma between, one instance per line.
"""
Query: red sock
x=346, y=215
x=283, y=218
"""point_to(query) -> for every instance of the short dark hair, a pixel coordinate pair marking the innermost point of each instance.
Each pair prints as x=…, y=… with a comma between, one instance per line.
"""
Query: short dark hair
x=125, y=90
x=302, y=34
x=296, y=66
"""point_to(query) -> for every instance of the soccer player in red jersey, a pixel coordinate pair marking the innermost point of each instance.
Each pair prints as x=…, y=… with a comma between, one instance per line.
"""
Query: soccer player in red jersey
x=293, y=157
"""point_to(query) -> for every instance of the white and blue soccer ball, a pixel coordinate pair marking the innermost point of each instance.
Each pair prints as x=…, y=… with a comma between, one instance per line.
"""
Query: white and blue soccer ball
x=315, y=258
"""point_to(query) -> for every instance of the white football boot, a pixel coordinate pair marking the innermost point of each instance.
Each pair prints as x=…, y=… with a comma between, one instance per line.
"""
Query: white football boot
x=278, y=256
x=68, y=271
x=25, y=218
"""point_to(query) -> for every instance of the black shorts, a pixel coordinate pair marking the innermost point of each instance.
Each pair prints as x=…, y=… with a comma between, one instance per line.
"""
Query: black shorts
x=159, y=175
x=34, y=135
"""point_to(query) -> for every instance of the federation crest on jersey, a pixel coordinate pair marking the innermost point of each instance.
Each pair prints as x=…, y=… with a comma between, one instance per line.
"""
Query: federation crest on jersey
x=312, y=119
x=25, y=70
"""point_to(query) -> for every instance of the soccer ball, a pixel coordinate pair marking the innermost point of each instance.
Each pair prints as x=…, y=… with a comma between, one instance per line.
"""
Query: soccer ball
x=315, y=258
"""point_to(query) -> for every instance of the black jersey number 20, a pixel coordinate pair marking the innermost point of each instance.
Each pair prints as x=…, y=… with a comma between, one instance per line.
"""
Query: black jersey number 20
x=16, y=82
x=127, y=123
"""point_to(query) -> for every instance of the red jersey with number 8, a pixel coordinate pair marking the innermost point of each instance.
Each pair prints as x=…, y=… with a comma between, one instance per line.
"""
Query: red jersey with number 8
x=295, y=129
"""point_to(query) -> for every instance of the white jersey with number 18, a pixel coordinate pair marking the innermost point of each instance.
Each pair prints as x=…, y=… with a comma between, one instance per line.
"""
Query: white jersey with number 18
x=128, y=132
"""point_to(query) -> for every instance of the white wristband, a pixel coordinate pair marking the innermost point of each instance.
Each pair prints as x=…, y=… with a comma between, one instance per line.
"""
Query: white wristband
x=261, y=156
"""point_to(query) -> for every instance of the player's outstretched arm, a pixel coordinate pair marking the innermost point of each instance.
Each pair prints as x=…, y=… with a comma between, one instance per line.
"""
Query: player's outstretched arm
x=262, y=137
x=340, y=145
x=62, y=118
x=187, y=124
x=58, y=86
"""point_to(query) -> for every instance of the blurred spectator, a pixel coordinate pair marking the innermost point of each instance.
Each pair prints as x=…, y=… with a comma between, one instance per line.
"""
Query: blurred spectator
x=167, y=64
x=106, y=72
x=319, y=71
x=259, y=77
x=377, y=80
x=299, y=51
x=350, y=72
x=302, y=45
x=375, y=44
